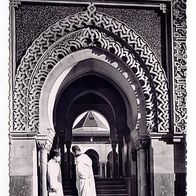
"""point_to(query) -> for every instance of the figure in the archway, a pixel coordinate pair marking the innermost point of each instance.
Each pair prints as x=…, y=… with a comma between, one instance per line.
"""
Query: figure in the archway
x=54, y=174
x=85, y=182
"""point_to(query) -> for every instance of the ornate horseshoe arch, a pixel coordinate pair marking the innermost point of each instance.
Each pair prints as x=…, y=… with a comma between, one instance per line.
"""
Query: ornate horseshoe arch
x=63, y=68
x=89, y=29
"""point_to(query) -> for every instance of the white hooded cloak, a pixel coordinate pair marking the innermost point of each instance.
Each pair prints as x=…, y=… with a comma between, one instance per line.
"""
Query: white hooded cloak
x=85, y=182
x=54, y=178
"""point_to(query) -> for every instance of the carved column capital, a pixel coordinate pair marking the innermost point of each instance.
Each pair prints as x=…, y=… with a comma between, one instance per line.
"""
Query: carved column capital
x=141, y=144
x=43, y=145
x=45, y=141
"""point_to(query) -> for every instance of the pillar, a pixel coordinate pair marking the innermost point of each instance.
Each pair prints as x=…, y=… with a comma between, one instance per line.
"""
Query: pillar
x=100, y=170
x=142, y=167
x=114, y=169
x=23, y=165
x=163, y=177
x=43, y=152
x=62, y=160
x=120, y=162
x=104, y=170
x=68, y=146
x=127, y=162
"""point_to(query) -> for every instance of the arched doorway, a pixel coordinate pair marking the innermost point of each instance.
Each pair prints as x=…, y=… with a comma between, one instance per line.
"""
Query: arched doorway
x=95, y=161
x=109, y=164
x=91, y=132
x=128, y=74
x=89, y=88
x=118, y=49
x=91, y=92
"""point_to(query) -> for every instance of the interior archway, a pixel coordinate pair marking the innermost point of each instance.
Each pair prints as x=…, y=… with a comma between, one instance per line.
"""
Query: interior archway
x=61, y=73
x=110, y=162
x=122, y=104
x=91, y=131
x=95, y=160
x=93, y=91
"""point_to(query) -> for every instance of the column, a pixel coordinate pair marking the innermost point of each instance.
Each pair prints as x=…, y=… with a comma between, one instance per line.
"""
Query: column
x=114, y=159
x=68, y=146
x=142, y=167
x=100, y=169
x=104, y=170
x=63, y=161
x=120, y=162
x=44, y=144
x=127, y=162
x=43, y=168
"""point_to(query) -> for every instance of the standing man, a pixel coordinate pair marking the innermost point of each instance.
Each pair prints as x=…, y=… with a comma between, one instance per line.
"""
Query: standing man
x=85, y=182
x=54, y=174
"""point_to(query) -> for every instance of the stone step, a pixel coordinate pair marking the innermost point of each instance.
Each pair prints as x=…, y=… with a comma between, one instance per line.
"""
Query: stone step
x=112, y=194
x=104, y=187
x=104, y=181
x=100, y=186
x=101, y=194
x=121, y=190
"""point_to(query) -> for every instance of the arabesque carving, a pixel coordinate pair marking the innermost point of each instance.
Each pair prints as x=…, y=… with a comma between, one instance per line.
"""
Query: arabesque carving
x=179, y=36
x=81, y=40
x=26, y=96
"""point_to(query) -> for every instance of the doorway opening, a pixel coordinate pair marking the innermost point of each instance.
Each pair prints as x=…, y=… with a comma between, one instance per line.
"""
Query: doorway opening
x=91, y=131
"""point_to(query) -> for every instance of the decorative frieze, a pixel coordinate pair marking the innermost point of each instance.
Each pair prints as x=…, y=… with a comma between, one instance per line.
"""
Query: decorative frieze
x=79, y=40
x=179, y=42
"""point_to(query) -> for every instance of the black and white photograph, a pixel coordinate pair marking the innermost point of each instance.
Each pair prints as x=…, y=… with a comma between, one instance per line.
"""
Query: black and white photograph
x=97, y=98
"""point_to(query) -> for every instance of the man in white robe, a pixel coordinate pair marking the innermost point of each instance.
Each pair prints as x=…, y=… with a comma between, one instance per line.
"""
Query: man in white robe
x=85, y=182
x=54, y=175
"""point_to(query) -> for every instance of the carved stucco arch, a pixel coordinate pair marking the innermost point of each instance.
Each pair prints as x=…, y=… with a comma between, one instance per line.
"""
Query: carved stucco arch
x=60, y=72
x=54, y=34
